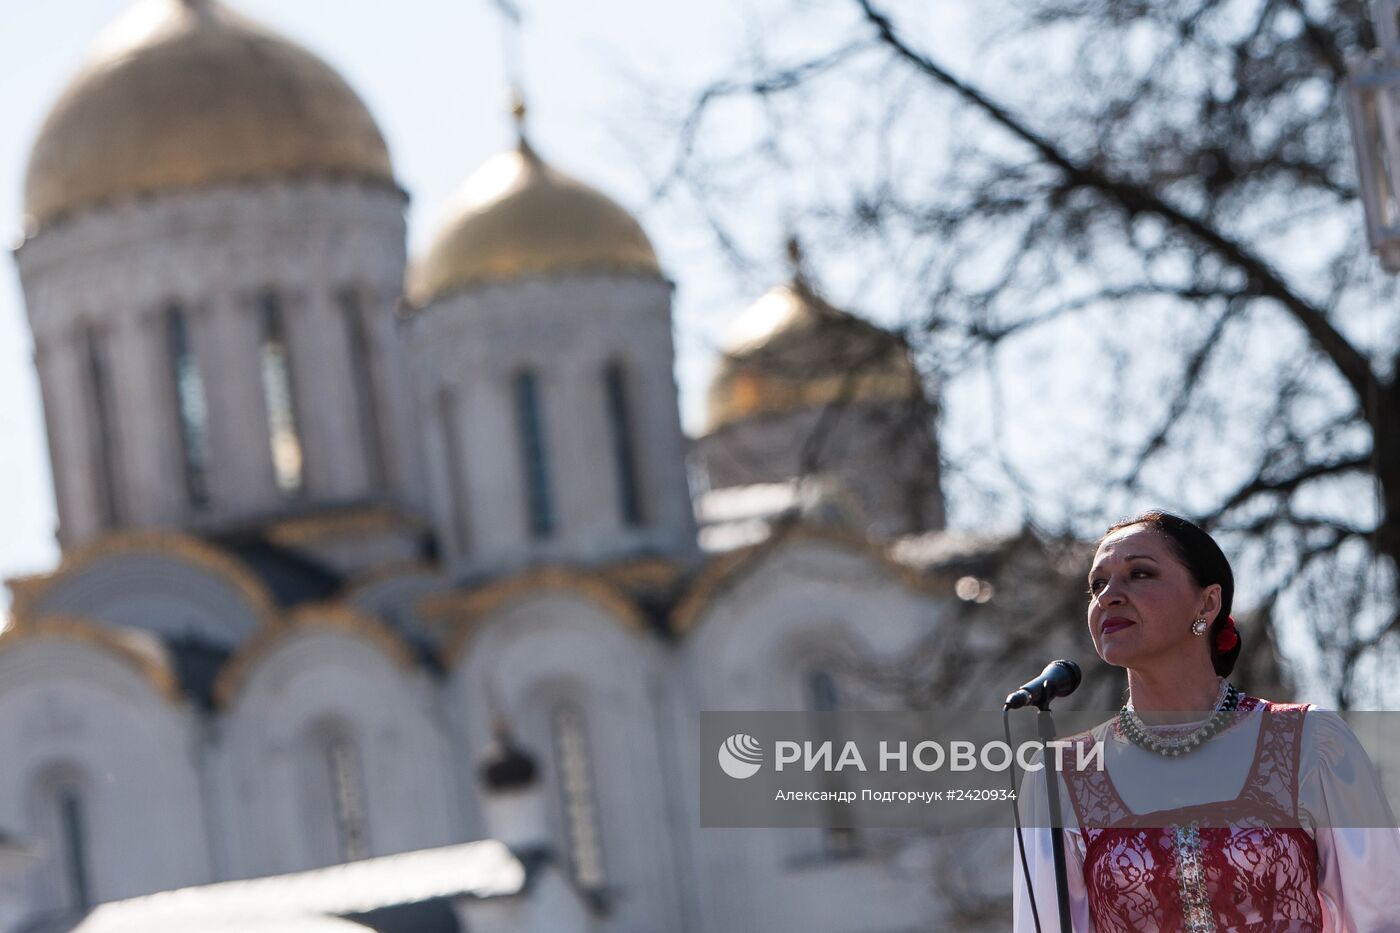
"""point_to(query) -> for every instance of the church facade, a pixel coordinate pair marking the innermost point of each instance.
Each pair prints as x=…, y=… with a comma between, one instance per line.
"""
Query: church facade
x=331, y=519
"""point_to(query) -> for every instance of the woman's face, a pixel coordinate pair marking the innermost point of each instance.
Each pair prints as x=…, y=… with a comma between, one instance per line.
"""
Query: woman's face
x=1142, y=601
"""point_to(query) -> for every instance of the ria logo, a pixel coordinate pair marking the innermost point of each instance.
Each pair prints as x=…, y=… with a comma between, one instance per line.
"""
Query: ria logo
x=740, y=756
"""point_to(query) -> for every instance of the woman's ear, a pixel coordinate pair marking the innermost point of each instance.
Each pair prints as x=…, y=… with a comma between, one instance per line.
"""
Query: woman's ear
x=1210, y=602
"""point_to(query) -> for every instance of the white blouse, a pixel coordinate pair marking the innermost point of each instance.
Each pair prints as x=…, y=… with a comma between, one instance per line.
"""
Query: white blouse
x=1358, y=869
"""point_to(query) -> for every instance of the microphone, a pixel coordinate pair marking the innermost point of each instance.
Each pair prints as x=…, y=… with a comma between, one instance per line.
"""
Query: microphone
x=1059, y=679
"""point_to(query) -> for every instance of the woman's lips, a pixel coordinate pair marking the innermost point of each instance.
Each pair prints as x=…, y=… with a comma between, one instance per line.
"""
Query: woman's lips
x=1115, y=624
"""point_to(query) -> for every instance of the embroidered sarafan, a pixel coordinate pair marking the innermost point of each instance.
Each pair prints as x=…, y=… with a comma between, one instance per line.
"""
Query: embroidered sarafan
x=1191, y=878
x=1250, y=870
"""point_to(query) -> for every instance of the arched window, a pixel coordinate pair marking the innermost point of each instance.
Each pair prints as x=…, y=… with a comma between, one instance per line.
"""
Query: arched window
x=823, y=696
x=73, y=852
x=529, y=420
x=821, y=692
x=103, y=425
x=366, y=384
x=450, y=425
x=623, y=444
x=578, y=803
x=279, y=398
x=347, y=797
x=61, y=821
x=191, y=406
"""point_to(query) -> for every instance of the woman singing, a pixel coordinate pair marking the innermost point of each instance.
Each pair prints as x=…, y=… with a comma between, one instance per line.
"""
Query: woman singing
x=1187, y=828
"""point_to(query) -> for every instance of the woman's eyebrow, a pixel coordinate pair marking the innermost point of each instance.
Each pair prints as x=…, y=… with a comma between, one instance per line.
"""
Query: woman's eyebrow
x=1094, y=570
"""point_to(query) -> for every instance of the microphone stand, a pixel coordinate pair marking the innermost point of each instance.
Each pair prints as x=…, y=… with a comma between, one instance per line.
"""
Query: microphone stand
x=1045, y=724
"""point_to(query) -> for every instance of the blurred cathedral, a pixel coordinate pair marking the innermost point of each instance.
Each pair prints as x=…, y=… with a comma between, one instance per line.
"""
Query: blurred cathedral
x=391, y=591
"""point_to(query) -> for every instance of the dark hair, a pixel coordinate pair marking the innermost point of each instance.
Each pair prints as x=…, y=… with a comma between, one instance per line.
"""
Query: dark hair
x=1207, y=564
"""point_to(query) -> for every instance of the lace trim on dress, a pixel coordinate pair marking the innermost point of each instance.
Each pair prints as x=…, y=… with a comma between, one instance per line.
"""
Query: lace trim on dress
x=1165, y=872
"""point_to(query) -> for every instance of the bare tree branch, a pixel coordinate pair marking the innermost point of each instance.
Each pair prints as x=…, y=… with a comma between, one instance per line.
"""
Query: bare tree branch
x=1135, y=199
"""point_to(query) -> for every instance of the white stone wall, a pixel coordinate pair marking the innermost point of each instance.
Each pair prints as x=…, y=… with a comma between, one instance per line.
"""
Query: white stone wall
x=272, y=784
x=557, y=646
x=244, y=791
x=751, y=649
x=79, y=710
x=566, y=329
x=70, y=450
x=212, y=252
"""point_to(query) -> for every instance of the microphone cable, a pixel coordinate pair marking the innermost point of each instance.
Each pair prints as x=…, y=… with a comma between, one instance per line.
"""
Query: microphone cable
x=1016, y=815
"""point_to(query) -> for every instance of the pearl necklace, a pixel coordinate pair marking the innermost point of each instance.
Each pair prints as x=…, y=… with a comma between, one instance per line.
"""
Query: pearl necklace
x=1136, y=731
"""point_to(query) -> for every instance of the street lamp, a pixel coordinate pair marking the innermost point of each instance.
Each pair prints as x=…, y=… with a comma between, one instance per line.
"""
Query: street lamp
x=1373, y=109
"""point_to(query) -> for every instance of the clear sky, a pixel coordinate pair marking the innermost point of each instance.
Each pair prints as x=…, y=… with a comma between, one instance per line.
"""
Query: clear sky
x=607, y=82
x=600, y=79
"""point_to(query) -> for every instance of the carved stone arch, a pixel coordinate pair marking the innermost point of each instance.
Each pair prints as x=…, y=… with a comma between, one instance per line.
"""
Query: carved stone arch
x=533, y=704
x=569, y=720
x=334, y=617
x=553, y=689
x=545, y=642
x=59, y=816
x=821, y=644
x=63, y=770
x=324, y=727
x=392, y=591
x=332, y=752
x=332, y=665
x=811, y=674
x=364, y=586
x=464, y=612
x=809, y=595
x=728, y=570
x=120, y=578
x=105, y=700
x=137, y=651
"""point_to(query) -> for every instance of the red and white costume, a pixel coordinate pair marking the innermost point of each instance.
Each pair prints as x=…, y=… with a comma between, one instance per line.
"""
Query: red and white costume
x=1280, y=824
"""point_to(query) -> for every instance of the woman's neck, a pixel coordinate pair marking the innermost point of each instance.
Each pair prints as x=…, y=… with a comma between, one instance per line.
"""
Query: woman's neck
x=1173, y=698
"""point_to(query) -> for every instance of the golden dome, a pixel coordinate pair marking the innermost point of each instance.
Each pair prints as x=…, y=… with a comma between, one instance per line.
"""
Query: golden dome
x=517, y=217
x=791, y=350
x=180, y=93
